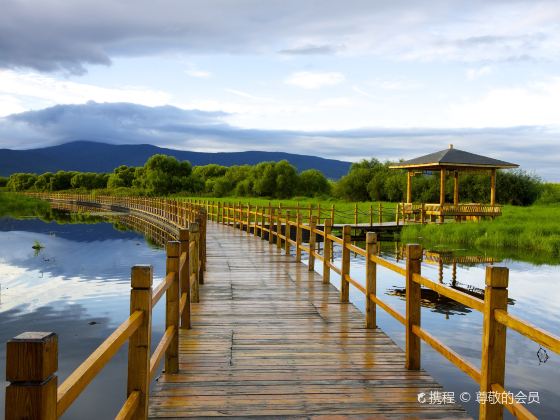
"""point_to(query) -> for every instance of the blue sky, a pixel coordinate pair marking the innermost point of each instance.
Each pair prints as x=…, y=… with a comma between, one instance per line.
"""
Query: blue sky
x=341, y=79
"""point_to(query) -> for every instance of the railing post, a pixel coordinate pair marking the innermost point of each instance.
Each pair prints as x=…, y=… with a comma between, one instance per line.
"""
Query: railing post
x=279, y=229
x=298, y=237
x=31, y=365
x=345, y=268
x=139, y=343
x=193, y=236
x=327, y=251
x=371, y=279
x=355, y=213
x=493, y=339
x=263, y=220
x=312, y=242
x=413, y=264
x=202, y=244
x=184, y=278
x=255, y=222
x=270, y=223
x=172, y=307
x=287, y=233
x=380, y=213
x=332, y=214
x=248, y=219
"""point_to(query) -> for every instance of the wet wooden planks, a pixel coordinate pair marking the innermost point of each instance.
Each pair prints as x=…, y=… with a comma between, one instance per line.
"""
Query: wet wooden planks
x=269, y=339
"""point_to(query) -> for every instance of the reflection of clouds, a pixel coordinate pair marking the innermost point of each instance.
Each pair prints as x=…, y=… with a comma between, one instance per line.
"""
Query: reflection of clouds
x=109, y=259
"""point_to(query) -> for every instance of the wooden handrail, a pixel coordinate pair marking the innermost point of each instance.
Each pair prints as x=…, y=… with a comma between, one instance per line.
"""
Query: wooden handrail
x=450, y=293
x=167, y=216
x=129, y=407
x=160, y=350
x=538, y=335
x=162, y=287
x=175, y=214
x=498, y=316
x=73, y=386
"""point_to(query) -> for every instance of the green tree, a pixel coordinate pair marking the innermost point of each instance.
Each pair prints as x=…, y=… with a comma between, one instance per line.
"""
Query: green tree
x=164, y=175
x=123, y=176
x=312, y=183
x=21, y=181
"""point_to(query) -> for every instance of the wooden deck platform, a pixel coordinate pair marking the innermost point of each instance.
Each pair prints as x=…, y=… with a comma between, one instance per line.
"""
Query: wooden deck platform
x=269, y=339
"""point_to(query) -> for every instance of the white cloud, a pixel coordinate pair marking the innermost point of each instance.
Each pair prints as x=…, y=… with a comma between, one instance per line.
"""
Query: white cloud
x=246, y=95
x=315, y=80
x=45, y=91
x=340, y=102
x=536, y=103
x=395, y=85
x=199, y=74
x=475, y=73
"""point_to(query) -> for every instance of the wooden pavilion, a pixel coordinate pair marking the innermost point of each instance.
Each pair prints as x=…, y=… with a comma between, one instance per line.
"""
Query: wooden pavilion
x=451, y=161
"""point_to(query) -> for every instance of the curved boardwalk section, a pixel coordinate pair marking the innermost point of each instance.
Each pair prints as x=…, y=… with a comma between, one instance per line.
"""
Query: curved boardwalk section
x=269, y=339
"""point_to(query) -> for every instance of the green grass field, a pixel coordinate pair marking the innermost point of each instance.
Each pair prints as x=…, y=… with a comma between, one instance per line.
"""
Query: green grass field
x=535, y=229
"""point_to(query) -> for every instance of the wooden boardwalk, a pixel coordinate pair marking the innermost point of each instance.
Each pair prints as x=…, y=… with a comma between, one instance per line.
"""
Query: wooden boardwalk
x=269, y=339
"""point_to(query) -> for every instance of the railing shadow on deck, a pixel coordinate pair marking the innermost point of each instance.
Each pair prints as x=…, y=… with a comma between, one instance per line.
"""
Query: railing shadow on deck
x=31, y=357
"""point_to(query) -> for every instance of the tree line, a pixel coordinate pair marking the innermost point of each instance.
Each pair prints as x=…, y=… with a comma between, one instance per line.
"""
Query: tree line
x=368, y=180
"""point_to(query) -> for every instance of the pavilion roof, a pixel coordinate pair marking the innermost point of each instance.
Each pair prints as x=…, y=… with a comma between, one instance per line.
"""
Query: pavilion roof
x=453, y=158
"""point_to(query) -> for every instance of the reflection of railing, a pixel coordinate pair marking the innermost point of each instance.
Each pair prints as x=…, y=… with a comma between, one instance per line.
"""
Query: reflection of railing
x=271, y=224
x=32, y=358
x=415, y=212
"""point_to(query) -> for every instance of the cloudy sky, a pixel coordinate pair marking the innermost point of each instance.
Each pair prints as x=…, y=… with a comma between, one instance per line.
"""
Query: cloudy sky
x=343, y=79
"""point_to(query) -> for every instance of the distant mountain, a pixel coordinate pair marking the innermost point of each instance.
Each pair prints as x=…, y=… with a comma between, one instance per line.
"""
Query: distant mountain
x=88, y=156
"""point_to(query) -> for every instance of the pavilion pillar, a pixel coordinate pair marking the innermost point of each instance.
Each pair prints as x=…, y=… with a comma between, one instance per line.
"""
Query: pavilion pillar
x=493, y=187
x=441, y=194
x=456, y=188
x=409, y=187
x=442, y=187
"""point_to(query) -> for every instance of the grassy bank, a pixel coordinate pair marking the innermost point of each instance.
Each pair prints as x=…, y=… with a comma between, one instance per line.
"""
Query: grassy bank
x=17, y=205
x=535, y=229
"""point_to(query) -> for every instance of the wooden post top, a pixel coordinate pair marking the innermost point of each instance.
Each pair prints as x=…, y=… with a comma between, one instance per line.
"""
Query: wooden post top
x=183, y=234
x=141, y=276
x=497, y=276
x=414, y=251
x=193, y=227
x=371, y=237
x=346, y=229
x=328, y=222
x=172, y=248
x=31, y=357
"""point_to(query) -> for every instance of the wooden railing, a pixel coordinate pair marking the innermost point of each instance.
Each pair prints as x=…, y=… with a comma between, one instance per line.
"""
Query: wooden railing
x=32, y=358
x=425, y=212
x=286, y=232
x=378, y=213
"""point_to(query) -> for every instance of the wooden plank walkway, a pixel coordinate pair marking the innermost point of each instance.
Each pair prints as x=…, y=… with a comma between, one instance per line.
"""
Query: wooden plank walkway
x=269, y=339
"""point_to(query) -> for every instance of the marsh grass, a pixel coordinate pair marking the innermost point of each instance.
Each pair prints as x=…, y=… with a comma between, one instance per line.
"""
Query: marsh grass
x=535, y=229
x=17, y=205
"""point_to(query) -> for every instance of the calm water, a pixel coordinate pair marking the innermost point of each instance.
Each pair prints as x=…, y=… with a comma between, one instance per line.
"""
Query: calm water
x=78, y=286
x=534, y=294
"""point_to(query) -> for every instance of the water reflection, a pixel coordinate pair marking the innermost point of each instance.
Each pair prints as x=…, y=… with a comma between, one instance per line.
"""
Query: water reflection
x=77, y=285
x=534, y=295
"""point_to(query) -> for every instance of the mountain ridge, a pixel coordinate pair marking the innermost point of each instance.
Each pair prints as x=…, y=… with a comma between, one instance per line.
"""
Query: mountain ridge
x=92, y=156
